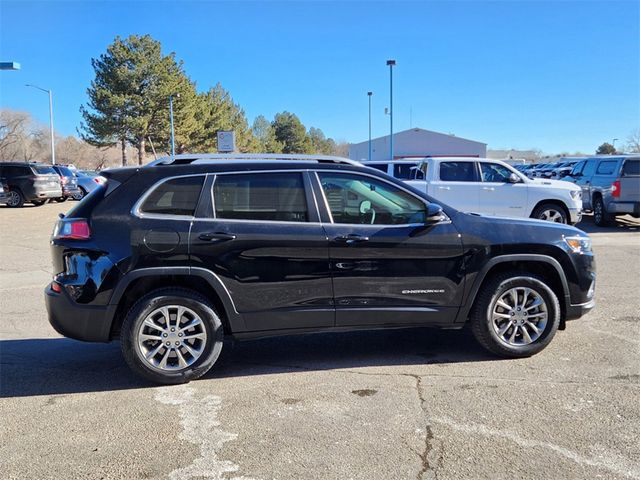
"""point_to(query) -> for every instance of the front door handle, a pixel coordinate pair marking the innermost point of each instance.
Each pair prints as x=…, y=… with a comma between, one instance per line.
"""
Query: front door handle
x=491, y=189
x=216, y=236
x=444, y=188
x=351, y=239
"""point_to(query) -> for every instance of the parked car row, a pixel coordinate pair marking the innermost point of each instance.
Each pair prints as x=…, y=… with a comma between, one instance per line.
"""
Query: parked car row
x=38, y=183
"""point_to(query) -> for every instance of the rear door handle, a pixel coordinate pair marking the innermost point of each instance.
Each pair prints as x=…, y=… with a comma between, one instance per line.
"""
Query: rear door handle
x=216, y=236
x=444, y=188
x=491, y=189
x=351, y=239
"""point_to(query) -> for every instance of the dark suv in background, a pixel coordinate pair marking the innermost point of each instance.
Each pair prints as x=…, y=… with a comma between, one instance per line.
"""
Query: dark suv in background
x=30, y=182
x=173, y=256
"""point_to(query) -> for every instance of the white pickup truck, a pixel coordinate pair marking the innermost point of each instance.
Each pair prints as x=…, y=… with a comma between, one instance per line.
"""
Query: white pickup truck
x=488, y=187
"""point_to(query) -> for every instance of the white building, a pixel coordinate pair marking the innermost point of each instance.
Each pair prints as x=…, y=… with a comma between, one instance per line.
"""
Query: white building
x=417, y=142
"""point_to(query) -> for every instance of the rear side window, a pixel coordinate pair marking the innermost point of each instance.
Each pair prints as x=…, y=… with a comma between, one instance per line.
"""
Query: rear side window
x=178, y=196
x=631, y=167
x=458, y=171
x=606, y=167
x=407, y=171
x=13, y=171
x=42, y=170
x=379, y=166
x=276, y=197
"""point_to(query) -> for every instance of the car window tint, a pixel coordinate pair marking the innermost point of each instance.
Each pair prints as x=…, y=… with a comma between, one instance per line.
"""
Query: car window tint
x=261, y=197
x=64, y=171
x=379, y=166
x=357, y=199
x=178, y=196
x=606, y=167
x=493, y=172
x=631, y=167
x=457, y=171
x=45, y=170
x=407, y=171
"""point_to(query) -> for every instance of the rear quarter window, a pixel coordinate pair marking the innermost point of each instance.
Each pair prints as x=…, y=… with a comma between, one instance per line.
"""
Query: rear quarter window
x=458, y=171
x=43, y=170
x=177, y=196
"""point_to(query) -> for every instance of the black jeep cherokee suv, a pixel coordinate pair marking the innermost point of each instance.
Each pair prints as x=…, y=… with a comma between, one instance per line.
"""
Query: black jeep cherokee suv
x=173, y=256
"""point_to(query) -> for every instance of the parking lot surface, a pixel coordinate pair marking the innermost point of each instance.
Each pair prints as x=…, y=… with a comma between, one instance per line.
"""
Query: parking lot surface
x=402, y=404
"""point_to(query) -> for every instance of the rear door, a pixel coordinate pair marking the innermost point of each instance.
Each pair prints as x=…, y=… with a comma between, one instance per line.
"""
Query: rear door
x=388, y=267
x=630, y=181
x=260, y=234
x=457, y=183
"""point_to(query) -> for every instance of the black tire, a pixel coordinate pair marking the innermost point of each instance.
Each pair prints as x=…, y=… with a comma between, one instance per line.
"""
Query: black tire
x=600, y=216
x=38, y=203
x=171, y=297
x=61, y=199
x=15, y=199
x=482, y=324
x=547, y=211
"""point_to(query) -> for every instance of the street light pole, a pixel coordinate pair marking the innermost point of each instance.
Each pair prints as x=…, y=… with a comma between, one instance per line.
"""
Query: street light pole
x=173, y=140
x=613, y=144
x=369, y=94
x=53, y=147
x=391, y=63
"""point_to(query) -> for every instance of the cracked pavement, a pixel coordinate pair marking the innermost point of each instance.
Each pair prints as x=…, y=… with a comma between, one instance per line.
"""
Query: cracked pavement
x=402, y=404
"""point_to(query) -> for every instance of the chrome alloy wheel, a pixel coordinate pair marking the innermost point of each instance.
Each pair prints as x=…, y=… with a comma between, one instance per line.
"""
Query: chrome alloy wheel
x=13, y=198
x=551, y=215
x=171, y=338
x=519, y=316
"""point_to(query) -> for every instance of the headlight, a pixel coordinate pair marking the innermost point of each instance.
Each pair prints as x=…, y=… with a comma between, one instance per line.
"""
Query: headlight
x=578, y=244
x=576, y=194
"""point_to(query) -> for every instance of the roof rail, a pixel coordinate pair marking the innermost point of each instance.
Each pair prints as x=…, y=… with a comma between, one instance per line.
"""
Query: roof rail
x=196, y=158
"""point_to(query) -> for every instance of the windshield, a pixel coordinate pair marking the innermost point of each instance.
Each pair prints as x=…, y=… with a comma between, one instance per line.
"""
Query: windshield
x=64, y=171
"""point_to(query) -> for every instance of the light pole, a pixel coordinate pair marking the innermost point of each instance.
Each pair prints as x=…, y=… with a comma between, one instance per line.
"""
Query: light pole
x=369, y=94
x=391, y=63
x=173, y=139
x=613, y=144
x=53, y=147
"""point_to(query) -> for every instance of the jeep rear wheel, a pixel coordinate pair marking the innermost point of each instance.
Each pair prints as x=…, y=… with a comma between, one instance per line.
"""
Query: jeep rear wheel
x=171, y=336
x=515, y=315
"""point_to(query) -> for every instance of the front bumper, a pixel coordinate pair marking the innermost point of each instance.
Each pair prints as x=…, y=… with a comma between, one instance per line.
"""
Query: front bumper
x=575, y=215
x=577, y=311
x=74, y=320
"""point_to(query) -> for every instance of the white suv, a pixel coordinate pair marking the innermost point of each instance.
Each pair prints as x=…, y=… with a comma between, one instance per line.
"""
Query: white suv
x=489, y=187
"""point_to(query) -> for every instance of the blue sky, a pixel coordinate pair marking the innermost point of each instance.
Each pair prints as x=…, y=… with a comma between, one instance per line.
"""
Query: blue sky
x=559, y=76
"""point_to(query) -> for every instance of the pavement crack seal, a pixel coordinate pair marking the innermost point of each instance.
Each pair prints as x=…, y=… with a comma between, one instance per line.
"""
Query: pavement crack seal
x=428, y=465
x=200, y=426
x=620, y=466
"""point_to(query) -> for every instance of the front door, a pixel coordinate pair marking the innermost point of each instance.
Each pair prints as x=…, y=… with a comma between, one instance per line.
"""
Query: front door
x=388, y=267
x=265, y=243
x=498, y=196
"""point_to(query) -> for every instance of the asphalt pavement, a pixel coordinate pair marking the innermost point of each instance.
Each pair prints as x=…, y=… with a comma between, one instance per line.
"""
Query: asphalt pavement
x=402, y=404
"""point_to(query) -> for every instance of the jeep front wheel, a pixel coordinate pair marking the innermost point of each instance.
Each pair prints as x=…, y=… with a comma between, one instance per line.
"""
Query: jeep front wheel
x=171, y=336
x=515, y=315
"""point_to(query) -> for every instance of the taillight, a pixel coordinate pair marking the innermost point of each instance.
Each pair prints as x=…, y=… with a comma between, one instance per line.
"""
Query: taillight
x=64, y=180
x=72, y=229
x=615, y=189
x=100, y=180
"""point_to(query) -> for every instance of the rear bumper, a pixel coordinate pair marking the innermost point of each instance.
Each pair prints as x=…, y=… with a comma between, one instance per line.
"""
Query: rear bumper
x=44, y=194
x=624, y=207
x=73, y=320
x=70, y=191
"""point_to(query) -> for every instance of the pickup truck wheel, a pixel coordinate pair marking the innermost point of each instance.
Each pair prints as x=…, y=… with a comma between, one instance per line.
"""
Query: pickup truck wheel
x=171, y=336
x=550, y=212
x=600, y=216
x=515, y=315
x=15, y=199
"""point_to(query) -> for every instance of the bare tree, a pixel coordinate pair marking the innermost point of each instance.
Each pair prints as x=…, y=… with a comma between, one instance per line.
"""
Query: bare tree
x=633, y=141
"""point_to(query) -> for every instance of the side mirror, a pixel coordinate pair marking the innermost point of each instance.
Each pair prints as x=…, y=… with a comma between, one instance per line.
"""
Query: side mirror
x=434, y=214
x=513, y=178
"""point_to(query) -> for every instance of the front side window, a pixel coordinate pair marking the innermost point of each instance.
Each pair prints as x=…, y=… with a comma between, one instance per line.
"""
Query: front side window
x=458, y=172
x=589, y=168
x=493, y=172
x=278, y=197
x=357, y=199
x=178, y=196
x=606, y=167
